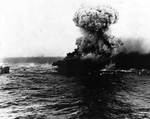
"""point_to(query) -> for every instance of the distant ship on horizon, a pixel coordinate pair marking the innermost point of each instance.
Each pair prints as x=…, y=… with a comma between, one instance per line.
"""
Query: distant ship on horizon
x=4, y=69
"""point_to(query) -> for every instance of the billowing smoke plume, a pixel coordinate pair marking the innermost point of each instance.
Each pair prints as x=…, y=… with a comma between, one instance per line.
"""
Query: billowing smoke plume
x=98, y=49
x=96, y=40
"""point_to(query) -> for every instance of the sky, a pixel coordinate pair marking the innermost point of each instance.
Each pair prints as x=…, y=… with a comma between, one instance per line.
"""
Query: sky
x=46, y=28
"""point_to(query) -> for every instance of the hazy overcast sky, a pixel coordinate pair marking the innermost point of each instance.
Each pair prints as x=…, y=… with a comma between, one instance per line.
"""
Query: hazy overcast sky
x=45, y=27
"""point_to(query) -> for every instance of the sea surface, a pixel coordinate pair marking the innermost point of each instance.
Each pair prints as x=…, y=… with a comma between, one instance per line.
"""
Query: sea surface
x=34, y=91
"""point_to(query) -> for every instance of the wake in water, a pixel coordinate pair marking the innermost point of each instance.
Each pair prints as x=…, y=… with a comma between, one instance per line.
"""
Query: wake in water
x=33, y=91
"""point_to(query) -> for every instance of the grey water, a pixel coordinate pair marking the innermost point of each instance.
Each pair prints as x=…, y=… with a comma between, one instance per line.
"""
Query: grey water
x=32, y=91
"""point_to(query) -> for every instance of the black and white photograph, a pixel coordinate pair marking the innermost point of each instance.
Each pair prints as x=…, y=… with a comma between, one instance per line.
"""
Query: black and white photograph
x=74, y=59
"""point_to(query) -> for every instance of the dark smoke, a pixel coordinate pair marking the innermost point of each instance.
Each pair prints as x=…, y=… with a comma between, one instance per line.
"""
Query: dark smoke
x=132, y=60
x=132, y=54
x=98, y=49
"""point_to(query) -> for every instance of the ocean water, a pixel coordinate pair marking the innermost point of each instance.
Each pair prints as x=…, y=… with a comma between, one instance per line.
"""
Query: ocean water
x=33, y=91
